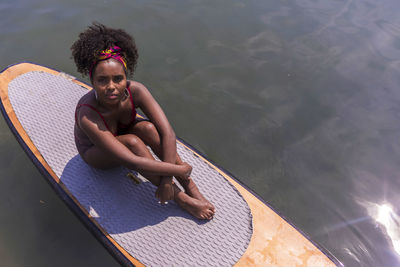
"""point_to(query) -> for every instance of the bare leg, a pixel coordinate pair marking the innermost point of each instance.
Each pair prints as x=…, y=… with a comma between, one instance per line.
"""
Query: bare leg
x=95, y=157
x=148, y=133
x=99, y=159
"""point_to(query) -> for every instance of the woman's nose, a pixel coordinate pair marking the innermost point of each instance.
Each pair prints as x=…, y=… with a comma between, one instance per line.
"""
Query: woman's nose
x=111, y=85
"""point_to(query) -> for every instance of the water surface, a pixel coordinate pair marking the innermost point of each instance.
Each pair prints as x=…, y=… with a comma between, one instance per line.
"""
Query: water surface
x=298, y=99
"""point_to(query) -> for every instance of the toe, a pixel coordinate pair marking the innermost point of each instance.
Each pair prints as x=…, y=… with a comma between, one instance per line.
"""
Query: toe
x=210, y=215
x=212, y=208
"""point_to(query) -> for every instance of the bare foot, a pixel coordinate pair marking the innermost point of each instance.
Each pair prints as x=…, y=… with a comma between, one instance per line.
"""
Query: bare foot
x=198, y=208
x=192, y=190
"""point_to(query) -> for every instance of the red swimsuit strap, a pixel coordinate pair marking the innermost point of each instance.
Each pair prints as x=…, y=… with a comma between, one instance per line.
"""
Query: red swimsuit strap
x=133, y=114
x=93, y=108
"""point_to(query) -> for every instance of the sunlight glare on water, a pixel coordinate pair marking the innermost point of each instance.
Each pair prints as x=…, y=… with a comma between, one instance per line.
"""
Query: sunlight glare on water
x=298, y=99
x=389, y=220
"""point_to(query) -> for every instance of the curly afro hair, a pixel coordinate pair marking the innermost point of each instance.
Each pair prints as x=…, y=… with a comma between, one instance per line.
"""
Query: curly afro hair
x=98, y=37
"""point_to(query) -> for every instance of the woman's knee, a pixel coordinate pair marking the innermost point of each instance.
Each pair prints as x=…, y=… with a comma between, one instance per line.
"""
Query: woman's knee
x=149, y=133
x=149, y=128
x=132, y=142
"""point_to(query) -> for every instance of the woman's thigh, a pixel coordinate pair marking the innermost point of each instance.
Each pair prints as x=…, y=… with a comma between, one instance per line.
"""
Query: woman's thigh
x=100, y=159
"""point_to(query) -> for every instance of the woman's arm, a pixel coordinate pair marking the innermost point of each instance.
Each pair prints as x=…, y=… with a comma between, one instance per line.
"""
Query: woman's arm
x=145, y=101
x=94, y=127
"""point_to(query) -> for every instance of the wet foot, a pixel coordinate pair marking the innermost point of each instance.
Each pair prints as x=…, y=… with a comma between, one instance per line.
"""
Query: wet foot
x=192, y=190
x=198, y=208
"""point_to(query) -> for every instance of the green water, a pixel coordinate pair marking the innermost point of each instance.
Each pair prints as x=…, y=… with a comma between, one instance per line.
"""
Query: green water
x=298, y=99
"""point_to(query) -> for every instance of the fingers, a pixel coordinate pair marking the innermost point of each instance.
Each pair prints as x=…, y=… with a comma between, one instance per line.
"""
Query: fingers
x=189, y=169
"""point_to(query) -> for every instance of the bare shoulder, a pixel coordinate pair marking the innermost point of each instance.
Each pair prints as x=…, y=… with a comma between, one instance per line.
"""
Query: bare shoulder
x=136, y=86
x=86, y=108
x=139, y=92
x=87, y=98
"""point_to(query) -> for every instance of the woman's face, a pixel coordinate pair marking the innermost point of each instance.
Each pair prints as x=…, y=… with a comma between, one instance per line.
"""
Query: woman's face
x=109, y=81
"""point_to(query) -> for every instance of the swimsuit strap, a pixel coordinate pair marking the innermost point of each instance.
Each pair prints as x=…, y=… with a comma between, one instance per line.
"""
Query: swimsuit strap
x=93, y=108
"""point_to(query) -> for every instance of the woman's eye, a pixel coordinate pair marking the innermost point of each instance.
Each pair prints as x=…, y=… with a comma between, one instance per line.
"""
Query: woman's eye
x=101, y=80
x=118, y=79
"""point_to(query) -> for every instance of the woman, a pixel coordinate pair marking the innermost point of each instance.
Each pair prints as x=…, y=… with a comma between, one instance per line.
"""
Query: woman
x=107, y=132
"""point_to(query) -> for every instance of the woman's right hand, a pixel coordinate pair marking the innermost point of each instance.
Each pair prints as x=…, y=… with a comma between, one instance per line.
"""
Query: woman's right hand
x=186, y=170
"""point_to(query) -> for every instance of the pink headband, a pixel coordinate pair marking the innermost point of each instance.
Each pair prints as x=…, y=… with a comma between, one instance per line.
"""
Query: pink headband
x=113, y=52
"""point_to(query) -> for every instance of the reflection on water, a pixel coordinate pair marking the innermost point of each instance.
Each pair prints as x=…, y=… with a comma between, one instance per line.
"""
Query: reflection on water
x=299, y=99
x=389, y=220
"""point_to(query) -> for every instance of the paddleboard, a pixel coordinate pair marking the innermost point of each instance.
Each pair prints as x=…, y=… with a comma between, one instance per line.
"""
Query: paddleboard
x=118, y=205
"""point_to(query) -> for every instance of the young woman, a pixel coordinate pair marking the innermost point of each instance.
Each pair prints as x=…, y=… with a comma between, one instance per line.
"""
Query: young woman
x=107, y=131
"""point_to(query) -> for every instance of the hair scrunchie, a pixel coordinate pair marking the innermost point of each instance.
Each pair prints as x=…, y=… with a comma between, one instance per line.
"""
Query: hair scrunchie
x=113, y=52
